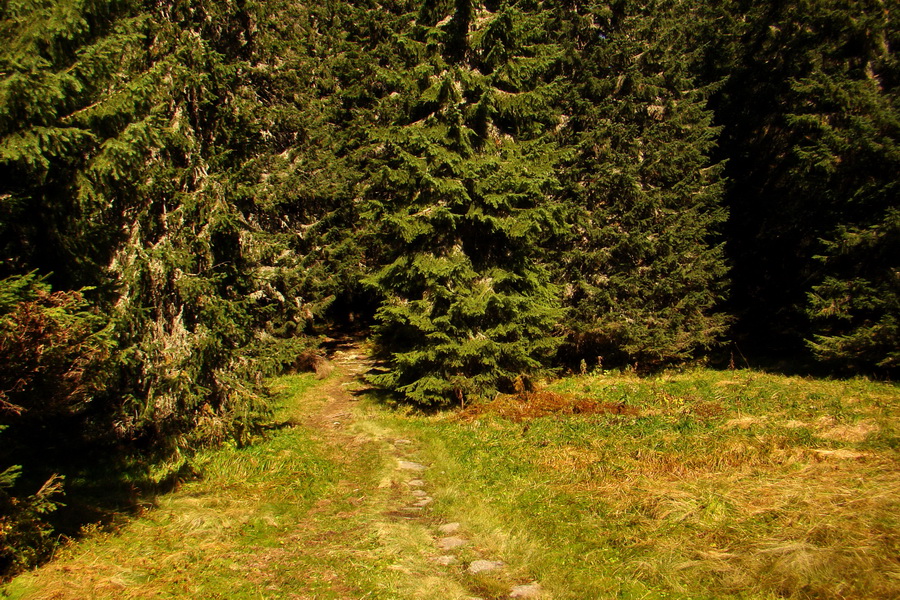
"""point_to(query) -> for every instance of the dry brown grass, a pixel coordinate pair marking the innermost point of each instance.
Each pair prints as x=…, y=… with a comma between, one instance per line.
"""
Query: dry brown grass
x=534, y=405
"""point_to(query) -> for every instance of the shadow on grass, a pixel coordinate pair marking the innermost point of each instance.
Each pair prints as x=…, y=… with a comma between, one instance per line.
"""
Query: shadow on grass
x=104, y=485
x=788, y=360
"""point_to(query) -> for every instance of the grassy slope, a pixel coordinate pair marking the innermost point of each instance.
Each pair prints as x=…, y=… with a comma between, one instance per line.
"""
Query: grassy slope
x=690, y=485
x=215, y=538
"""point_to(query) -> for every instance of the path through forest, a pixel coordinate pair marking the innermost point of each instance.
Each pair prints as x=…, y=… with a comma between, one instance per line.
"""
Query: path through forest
x=439, y=558
x=335, y=503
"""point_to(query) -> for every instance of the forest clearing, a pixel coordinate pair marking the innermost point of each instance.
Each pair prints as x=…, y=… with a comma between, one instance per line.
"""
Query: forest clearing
x=626, y=274
x=694, y=484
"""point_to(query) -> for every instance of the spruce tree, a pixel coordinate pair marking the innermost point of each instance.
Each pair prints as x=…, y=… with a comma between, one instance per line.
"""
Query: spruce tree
x=464, y=195
x=643, y=267
x=131, y=145
x=135, y=146
x=338, y=66
x=857, y=305
x=848, y=114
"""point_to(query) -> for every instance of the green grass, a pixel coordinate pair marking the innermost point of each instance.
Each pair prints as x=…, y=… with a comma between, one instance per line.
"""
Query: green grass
x=221, y=536
x=689, y=485
x=298, y=515
x=705, y=485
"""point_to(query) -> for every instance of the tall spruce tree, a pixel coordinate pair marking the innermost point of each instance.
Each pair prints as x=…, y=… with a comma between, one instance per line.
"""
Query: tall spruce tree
x=140, y=147
x=184, y=305
x=464, y=195
x=848, y=114
x=130, y=149
x=643, y=269
x=56, y=60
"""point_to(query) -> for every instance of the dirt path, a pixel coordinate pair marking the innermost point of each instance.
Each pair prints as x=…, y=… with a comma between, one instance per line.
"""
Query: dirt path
x=434, y=558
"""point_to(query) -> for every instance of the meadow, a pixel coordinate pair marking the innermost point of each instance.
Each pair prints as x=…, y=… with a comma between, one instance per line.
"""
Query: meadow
x=693, y=484
x=689, y=484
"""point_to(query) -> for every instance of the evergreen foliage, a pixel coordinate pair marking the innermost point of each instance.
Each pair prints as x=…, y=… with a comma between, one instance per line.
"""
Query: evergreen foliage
x=643, y=269
x=812, y=119
x=467, y=184
x=25, y=536
x=53, y=350
x=859, y=303
x=140, y=175
x=54, y=356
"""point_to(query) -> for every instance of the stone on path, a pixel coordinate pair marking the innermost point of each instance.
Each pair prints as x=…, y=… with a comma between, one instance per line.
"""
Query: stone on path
x=532, y=590
x=419, y=493
x=446, y=560
x=449, y=528
x=408, y=465
x=423, y=501
x=450, y=543
x=484, y=566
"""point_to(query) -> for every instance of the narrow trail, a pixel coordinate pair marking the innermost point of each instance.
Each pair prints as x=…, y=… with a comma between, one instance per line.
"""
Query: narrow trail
x=400, y=504
x=337, y=503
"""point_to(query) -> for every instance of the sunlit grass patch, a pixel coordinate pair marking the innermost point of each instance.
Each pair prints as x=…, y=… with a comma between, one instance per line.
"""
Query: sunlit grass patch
x=711, y=484
x=222, y=535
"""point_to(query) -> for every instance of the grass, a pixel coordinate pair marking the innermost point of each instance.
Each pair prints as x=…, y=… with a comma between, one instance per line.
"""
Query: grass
x=299, y=515
x=697, y=484
x=689, y=485
x=218, y=537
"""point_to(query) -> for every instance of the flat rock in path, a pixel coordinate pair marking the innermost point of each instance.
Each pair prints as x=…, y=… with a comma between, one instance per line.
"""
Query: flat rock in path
x=415, y=483
x=408, y=465
x=450, y=543
x=532, y=590
x=446, y=560
x=419, y=493
x=484, y=566
x=449, y=528
x=423, y=501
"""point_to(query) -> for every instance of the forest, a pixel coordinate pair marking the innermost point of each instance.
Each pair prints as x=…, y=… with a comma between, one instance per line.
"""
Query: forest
x=193, y=193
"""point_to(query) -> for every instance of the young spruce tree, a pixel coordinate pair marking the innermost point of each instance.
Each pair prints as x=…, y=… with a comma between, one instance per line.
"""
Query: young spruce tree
x=463, y=197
